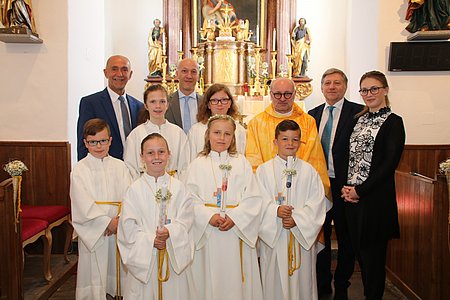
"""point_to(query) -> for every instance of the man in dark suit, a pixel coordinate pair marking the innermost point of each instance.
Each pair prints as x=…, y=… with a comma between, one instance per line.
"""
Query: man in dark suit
x=113, y=105
x=183, y=104
x=335, y=133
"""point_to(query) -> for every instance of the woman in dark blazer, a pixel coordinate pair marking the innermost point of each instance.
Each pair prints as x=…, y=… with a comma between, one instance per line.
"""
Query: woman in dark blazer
x=375, y=147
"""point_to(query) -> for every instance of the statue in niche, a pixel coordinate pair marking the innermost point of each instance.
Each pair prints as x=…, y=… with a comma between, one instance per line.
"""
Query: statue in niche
x=425, y=15
x=155, y=49
x=18, y=14
x=301, y=43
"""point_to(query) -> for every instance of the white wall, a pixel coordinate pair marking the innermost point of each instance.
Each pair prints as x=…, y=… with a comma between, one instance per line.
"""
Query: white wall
x=33, y=79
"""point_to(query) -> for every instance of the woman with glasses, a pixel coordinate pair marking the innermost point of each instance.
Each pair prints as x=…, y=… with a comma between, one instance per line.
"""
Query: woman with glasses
x=217, y=101
x=375, y=147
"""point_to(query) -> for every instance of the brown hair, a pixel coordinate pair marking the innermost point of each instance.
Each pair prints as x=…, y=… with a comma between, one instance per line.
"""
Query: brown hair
x=232, y=150
x=377, y=75
x=94, y=126
x=204, y=112
x=143, y=114
x=153, y=136
x=286, y=125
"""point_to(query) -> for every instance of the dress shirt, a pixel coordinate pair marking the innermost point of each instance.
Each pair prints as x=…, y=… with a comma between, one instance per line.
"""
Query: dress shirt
x=192, y=106
x=336, y=114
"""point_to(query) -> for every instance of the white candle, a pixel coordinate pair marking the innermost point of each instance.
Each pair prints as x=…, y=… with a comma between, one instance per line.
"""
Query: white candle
x=181, y=40
x=274, y=39
x=164, y=42
x=257, y=35
x=288, y=51
x=195, y=39
x=162, y=209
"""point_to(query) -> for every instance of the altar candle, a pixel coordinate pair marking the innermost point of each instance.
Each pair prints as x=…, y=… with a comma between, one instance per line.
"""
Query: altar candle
x=257, y=35
x=288, y=51
x=195, y=39
x=164, y=43
x=274, y=39
x=181, y=40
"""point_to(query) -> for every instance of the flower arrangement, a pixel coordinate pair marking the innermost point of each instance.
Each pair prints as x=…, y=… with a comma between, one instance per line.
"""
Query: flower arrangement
x=444, y=167
x=225, y=167
x=172, y=70
x=289, y=172
x=159, y=197
x=15, y=168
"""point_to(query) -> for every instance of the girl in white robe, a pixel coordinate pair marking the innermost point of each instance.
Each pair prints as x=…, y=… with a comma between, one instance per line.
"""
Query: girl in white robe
x=303, y=218
x=225, y=263
x=140, y=238
x=156, y=105
x=218, y=100
x=96, y=180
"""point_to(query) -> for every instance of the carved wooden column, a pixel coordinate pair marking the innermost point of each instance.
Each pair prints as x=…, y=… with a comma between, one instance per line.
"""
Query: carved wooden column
x=173, y=22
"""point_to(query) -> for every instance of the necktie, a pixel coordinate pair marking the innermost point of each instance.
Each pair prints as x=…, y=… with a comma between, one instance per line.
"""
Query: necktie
x=186, y=115
x=326, y=134
x=125, y=117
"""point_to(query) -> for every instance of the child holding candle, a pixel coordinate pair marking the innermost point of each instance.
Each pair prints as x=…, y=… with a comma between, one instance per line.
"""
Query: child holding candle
x=154, y=231
x=221, y=179
x=294, y=212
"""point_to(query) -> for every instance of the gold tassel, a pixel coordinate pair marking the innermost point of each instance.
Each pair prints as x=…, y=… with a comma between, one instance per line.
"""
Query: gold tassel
x=292, y=255
x=242, y=261
x=163, y=255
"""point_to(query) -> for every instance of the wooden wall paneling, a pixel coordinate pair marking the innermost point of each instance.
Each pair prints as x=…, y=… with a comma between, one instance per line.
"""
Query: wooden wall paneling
x=11, y=278
x=423, y=159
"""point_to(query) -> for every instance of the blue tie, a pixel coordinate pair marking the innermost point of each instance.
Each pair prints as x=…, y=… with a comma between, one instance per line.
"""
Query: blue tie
x=125, y=117
x=186, y=115
x=326, y=134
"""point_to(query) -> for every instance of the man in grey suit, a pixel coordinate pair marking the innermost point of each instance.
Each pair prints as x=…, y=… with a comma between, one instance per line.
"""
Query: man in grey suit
x=335, y=120
x=113, y=105
x=183, y=104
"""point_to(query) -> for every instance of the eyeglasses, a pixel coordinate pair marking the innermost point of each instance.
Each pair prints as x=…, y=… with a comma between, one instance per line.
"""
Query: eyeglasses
x=373, y=90
x=94, y=143
x=287, y=95
x=223, y=101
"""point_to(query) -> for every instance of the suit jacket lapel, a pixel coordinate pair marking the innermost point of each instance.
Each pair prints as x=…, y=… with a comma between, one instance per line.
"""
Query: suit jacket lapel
x=175, y=102
x=110, y=113
x=343, y=119
x=133, y=108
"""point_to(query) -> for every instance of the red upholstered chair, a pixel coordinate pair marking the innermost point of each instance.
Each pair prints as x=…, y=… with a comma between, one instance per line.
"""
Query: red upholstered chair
x=55, y=215
x=32, y=229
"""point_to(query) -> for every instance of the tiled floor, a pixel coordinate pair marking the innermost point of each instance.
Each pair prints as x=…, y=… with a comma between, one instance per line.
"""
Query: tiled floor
x=355, y=292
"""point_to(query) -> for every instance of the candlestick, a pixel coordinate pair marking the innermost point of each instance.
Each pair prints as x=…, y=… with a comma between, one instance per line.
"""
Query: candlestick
x=273, y=61
x=274, y=39
x=181, y=40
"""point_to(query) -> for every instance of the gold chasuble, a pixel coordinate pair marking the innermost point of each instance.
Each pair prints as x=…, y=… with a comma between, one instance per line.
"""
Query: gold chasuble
x=261, y=133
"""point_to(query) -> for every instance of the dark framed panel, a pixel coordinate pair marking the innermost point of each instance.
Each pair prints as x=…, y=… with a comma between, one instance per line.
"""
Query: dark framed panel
x=419, y=56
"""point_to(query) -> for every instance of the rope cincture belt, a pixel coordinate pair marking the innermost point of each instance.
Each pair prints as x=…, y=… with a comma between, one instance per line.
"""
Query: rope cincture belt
x=292, y=255
x=240, y=241
x=119, y=205
x=163, y=255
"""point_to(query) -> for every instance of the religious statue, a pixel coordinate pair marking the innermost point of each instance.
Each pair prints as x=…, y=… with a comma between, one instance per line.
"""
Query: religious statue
x=425, y=15
x=155, y=49
x=208, y=31
x=17, y=13
x=242, y=30
x=301, y=43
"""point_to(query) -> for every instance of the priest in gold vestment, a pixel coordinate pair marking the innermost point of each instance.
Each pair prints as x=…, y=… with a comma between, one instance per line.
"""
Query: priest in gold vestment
x=261, y=131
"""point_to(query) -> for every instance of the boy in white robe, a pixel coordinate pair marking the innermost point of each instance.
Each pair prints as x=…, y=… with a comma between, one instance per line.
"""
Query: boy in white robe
x=290, y=227
x=154, y=242
x=156, y=105
x=98, y=183
x=225, y=263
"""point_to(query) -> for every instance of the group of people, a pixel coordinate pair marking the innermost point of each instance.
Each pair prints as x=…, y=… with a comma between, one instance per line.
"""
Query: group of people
x=201, y=208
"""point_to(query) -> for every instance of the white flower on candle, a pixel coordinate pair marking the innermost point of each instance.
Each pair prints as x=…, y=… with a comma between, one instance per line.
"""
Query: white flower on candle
x=289, y=172
x=162, y=197
x=225, y=167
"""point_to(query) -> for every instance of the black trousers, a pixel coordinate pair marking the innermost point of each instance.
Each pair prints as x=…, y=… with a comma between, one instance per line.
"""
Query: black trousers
x=372, y=260
x=346, y=257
